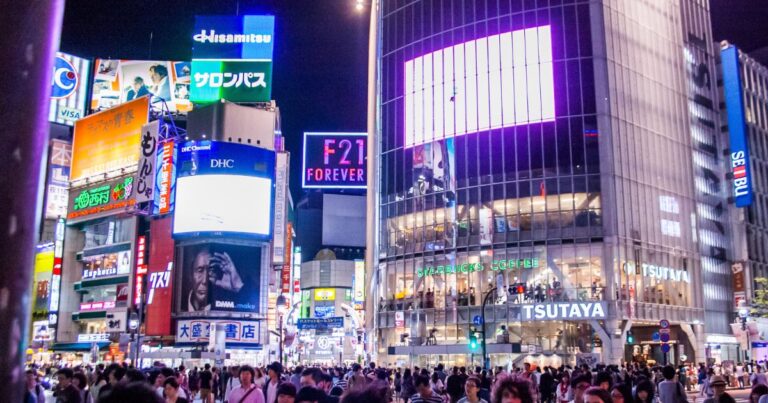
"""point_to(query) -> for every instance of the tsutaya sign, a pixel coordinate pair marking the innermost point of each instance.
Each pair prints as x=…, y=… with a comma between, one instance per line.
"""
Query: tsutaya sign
x=564, y=310
x=496, y=265
x=658, y=272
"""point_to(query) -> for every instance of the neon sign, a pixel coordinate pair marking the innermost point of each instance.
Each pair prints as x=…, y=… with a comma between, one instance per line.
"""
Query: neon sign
x=466, y=268
x=335, y=160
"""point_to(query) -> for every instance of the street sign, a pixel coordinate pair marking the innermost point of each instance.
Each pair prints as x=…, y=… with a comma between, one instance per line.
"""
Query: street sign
x=664, y=324
x=655, y=336
x=664, y=331
x=664, y=337
x=665, y=348
x=477, y=320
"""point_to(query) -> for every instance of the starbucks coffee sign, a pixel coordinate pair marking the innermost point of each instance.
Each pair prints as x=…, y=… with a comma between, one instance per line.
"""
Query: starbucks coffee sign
x=466, y=268
x=564, y=311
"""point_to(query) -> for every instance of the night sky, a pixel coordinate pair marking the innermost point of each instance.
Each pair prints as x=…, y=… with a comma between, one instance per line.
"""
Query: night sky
x=320, y=62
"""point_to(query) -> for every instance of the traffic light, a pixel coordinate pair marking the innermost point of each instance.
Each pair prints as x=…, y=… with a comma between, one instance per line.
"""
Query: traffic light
x=630, y=337
x=473, y=343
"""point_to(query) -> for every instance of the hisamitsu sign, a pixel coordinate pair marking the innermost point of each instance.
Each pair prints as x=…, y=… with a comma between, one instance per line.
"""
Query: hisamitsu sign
x=335, y=160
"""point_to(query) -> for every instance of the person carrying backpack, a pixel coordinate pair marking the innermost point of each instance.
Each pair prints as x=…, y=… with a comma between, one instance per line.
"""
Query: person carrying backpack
x=670, y=390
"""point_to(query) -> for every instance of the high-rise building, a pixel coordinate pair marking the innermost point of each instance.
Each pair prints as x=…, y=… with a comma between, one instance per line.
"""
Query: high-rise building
x=744, y=84
x=558, y=163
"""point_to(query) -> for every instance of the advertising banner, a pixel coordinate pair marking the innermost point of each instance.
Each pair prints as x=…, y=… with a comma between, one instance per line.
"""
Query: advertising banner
x=69, y=89
x=165, y=182
x=220, y=277
x=145, y=177
x=160, y=278
x=56, y=195
x=119, y=81
x=109, y=140
x=737, y=128
x=359, y=285
x=108, y=265
x=40, y=331
x=232, y=58
x=281, y=183
x=199, y=331
x=117, y=321
x=101, y=200
x=224, y=189
x=334, y=160
x=42, y=278
x=322, y=323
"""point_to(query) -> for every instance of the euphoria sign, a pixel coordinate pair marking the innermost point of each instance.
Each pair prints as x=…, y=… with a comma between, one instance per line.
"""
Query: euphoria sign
x=335, y=160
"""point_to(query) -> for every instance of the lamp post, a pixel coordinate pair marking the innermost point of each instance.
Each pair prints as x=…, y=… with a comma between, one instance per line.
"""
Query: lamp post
x=482, y=317
x=280, y=308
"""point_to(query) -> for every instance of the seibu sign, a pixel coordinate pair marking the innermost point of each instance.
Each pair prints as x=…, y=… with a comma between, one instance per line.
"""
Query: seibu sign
x=564, y=310
x=334, y=160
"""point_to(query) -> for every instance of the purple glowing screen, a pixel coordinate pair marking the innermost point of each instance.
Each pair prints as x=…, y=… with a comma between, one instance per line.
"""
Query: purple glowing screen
x=488, y=83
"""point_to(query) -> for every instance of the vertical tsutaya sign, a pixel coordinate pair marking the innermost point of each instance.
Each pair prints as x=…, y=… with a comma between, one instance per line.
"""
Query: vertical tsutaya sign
x=488, y=83
x=737, y=128
x=145, y=177
x=232, y=58
x=281, y=179
x=69, y=88
x=334, y=160
x=56, y=195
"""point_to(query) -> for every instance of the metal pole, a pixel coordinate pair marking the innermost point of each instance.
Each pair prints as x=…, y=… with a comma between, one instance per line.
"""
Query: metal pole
x=29, y=32
x=372, y=176
x=280, y=329
x=482, y=316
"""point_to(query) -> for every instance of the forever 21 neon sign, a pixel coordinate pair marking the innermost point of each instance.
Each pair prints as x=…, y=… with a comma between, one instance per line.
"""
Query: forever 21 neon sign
x=334, y=160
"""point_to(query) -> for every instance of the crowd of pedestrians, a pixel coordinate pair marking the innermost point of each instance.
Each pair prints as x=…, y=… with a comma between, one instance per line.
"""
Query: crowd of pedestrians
x=633, y=383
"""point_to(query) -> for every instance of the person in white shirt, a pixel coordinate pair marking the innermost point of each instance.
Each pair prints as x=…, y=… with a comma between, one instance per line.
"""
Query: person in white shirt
x=274, y=371
x=233, y=382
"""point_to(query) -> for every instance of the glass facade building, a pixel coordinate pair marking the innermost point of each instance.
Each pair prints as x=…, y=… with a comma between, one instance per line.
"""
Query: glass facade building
x=536, y=156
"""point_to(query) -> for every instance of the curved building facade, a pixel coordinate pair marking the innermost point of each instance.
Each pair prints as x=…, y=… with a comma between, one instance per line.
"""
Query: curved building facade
x=536, y=156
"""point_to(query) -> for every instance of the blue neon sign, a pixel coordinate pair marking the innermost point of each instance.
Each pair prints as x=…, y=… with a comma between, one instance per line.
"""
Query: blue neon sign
x=734, y=102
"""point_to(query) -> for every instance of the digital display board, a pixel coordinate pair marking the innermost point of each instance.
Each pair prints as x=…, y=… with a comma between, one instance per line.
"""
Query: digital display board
x=232, y=58
x=220, y=277
x=488, y=83
x=335, y=160
x=737, y=129
x=69, y=88
x=56, y=192
x=119, y=81
x=224, y=189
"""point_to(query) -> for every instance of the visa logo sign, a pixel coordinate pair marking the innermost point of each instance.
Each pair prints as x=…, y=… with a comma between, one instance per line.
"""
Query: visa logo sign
x=740, y=177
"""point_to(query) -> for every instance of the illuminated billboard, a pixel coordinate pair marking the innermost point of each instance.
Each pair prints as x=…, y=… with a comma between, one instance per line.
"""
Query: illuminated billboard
x=108, y=141
x=119, y=81
x=224, y=189
x=232, y=58
x=69, y=88
x=100, y=200
x=334, y=160
x=220, y=277
x=56, y=192
x=483, y=84
x=737, y=128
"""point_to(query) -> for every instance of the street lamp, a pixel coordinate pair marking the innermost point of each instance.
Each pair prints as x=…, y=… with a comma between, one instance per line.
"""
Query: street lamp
x=280, y=310
x=133, y=325
x=482, y=316
x=359, y=5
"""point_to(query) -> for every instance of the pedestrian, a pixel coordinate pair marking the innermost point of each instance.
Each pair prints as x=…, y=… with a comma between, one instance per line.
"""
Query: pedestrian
x=424, y=393
x=35, y=393
x=670, y=391
x=471, y=390
x=286, y=393
x=563, y=389
x=597, y=394
x=644, y=392
x=66, y=391
x=274, y=371
x=171, y=391
x=248, y=392
x=508, y=389
x=757, y=392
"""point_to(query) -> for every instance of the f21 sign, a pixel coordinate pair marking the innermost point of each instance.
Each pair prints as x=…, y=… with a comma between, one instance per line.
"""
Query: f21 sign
x=334, y=160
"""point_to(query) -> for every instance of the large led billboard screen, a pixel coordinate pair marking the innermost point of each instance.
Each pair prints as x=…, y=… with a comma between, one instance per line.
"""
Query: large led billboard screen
x=483, y=84
x=334, y=160
x=737, y=129
x=220, y=277
x=109, y=140
x=69, y=88
x=224, y=189
x=119, y=81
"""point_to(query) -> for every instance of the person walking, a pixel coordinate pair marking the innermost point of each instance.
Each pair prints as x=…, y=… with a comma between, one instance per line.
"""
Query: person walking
x=670, y=390
x=247, y=392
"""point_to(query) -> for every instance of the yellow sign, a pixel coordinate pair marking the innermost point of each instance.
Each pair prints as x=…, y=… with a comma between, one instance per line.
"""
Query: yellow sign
x=325, y=294
x=109, y=140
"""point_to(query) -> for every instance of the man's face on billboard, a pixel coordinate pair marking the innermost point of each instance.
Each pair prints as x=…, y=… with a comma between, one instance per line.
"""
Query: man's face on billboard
x=200, y=267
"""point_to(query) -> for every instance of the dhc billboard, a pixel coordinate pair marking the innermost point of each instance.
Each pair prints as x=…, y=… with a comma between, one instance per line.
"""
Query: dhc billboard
x=734, y=102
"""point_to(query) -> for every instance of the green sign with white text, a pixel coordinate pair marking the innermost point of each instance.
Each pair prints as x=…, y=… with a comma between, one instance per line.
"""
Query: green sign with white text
x=466, y=268
x=233, y=80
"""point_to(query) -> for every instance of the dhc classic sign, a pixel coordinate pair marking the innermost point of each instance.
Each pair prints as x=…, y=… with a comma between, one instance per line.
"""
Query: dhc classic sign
x=564, y=310
x=335, y=160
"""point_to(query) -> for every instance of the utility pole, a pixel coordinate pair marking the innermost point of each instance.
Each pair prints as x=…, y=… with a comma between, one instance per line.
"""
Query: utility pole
x=482, y=316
